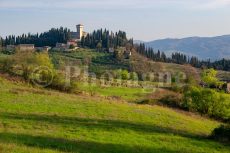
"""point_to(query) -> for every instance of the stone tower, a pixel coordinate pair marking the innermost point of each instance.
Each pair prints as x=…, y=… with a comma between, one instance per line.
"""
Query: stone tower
x=80, y=31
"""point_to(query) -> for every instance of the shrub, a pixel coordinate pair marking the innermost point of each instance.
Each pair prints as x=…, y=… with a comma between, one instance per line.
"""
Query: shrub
x=209, y=77
x=122, y=74
x=207, y=101
x=24, y=63
x=222, y=133
x=172, y=100
x=133, y=76
x=125, y=75
x=59, y=83
x=177, y=88
x=165, y=97
x=6, y=64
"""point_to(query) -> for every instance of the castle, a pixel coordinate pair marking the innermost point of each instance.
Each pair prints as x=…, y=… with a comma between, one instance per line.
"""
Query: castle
x=76, y=36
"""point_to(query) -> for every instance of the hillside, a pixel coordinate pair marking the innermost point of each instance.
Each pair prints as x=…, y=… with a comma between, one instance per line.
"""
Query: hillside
x=36, y=120
x=101, y=62
x=214, y=48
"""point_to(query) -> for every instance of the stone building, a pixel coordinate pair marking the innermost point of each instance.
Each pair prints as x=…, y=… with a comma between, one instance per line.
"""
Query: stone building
x=60, y=47
x=66, y=47
x=26, y=47
x=76, y=36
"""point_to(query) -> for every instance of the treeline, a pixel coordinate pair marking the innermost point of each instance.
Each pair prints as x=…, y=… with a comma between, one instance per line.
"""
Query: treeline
x=50, y=38
x=180, y=58
x=223, y=64
x=104, y=39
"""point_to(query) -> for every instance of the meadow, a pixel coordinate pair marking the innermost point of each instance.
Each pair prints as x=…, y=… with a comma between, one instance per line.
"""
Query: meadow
x=38, y=120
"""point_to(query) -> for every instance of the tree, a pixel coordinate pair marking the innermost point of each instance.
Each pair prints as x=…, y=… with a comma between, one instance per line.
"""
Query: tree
x=106, y=39
x=1, y=44
x=133, y=76
x=163, y=57
x=99, y=46
x=207, y=101
x=208, y=76
x=24, y=63
x=118, y=53
x=50, y=38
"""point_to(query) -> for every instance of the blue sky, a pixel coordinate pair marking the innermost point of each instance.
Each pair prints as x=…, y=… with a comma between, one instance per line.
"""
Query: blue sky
x=141, y=19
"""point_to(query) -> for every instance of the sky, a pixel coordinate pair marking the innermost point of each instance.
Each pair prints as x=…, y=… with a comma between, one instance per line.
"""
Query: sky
x=142, y=19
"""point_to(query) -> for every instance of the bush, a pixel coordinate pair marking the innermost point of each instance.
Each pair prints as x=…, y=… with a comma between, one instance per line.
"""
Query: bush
x=172, y=100
x=59, y=83
x=6, y=64
x=122, y=74
x=207, y=101
x=125, y=75
x=163, y=97
x=209, y=77
x=177, y=88
x=25, y=63
x=222, y=133
x=133, y=76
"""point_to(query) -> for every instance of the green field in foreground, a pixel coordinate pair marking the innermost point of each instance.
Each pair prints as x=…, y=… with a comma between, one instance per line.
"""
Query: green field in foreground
x=42, y=121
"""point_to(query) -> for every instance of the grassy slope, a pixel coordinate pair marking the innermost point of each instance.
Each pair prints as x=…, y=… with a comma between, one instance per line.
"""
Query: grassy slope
x=128, y=94
x=33, y=120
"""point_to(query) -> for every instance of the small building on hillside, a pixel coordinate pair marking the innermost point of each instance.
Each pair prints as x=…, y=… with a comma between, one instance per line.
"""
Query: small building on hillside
x=70, y=46
x=60, y=47
x=71, y=43
x=26, y=47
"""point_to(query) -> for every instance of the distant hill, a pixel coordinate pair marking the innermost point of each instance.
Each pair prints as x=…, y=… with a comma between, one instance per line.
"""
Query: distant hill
x=202, y=47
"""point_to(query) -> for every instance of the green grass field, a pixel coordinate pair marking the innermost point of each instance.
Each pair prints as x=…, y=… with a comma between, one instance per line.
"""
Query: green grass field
x=43, y=121
x=120, y=93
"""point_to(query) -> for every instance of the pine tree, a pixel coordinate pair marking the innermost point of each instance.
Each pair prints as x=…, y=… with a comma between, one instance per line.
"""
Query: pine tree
x=1, y=44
